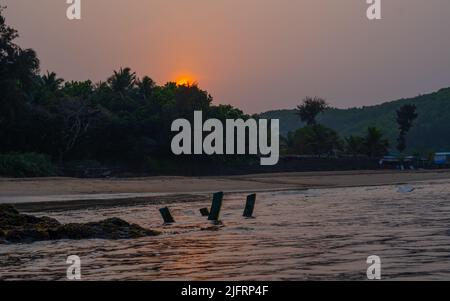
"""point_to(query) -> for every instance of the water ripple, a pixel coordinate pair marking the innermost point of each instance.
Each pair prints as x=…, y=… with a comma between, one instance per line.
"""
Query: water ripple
x=317, y=234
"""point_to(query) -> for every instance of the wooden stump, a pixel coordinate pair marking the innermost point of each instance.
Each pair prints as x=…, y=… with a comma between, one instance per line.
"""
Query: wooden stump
x=166, y=215
x=216, y=207
x=204, y=212
x=250, y=205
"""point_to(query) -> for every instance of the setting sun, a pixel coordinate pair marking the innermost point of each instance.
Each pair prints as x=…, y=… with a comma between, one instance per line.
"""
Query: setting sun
x=185, y=80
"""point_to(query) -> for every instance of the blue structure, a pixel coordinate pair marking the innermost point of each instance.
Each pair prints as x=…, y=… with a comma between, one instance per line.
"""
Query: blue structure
x=442, y=158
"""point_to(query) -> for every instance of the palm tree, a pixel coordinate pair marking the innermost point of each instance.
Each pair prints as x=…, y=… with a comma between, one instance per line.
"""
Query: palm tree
x=122, y=81
x=145, y=87
x=355, y=145
x=18, y=68
x=375, y=144
x=51, y=82
x=310, y=108
x=288, y=142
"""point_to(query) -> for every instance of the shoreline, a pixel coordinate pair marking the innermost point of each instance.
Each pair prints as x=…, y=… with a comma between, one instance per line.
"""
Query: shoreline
x=59, y=194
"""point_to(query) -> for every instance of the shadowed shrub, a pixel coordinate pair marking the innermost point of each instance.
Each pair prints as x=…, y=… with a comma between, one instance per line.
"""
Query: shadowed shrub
x=26, y=165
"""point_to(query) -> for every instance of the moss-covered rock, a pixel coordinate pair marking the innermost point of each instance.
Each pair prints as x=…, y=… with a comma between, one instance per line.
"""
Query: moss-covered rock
x=21, y=228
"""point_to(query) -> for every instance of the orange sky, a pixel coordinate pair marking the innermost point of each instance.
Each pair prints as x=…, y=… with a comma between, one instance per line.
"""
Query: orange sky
x=254, y=54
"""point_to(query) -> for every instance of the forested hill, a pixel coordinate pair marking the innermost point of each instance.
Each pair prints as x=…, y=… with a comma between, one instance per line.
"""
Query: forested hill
x=431, y=130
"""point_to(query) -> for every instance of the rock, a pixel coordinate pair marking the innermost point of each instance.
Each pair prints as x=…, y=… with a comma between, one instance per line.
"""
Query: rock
x=11, y=219
x=113, y=228
x=405, y=189
x=21, y=228
x=27, y=235
x=7, y=209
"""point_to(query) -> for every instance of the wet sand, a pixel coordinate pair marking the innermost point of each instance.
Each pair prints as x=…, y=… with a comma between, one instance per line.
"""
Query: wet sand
x=313, y=226
x=71, y=193
x=314, y=234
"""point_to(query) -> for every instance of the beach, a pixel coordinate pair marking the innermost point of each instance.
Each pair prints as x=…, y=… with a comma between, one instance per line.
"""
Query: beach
x=71, y=193
x=309, y=234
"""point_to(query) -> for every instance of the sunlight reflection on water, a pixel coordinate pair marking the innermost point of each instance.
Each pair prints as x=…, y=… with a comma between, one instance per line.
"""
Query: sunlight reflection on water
x=317, y=234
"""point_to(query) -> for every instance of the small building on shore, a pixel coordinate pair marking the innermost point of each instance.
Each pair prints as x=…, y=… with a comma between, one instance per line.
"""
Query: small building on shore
x=442, y=159
x=408, y=162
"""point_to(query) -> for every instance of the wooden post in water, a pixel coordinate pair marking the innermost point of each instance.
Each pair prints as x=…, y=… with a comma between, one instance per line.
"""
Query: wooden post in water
x=204, y=212
x=216, y=206
x=250, y=205
x=166, y=215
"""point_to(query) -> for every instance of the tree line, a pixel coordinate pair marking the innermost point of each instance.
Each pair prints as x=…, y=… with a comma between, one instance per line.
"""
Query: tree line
x=124, y=120
x=318, y=140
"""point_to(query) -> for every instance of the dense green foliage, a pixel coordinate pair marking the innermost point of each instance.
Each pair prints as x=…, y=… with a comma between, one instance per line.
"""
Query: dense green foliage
x=313, y=140
x=124, y=121
x=318, y=140
x=431, y=129
x=26, y=165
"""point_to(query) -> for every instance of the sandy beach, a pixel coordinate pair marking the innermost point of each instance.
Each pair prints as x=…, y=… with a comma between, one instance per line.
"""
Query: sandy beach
x=65, y=193
x=313, y=234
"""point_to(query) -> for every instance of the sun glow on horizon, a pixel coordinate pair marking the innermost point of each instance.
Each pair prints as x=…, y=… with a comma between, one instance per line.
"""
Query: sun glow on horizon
x=185, y=80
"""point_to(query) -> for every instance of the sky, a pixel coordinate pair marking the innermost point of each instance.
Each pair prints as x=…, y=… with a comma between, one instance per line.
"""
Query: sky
x=254, y=54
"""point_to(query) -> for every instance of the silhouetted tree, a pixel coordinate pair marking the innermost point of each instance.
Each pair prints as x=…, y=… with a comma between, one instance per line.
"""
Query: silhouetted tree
x=76, y=118
x=315, y=140
x=355, y=145
x=81, y=89
x=123, y=121
x=18, y=68
x=310, y=108
x=122, y=81
x=190, y=98
x=287, y=143
x=51, y=82
x=376, y=145
x=146, y=87
x=405, y=118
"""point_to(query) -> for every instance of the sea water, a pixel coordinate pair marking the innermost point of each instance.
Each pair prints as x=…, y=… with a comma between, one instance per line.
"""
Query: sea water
x=317, y=234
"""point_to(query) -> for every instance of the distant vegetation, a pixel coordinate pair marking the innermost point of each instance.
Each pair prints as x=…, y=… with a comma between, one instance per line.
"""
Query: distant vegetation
x=430, y=131
x=26, y=165
x=318, y=140
x=310, y=109
x=49, y=125
x=122, y=122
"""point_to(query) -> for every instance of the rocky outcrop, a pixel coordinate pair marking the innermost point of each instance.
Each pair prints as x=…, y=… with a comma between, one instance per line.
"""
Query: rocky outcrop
x=21, y=228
